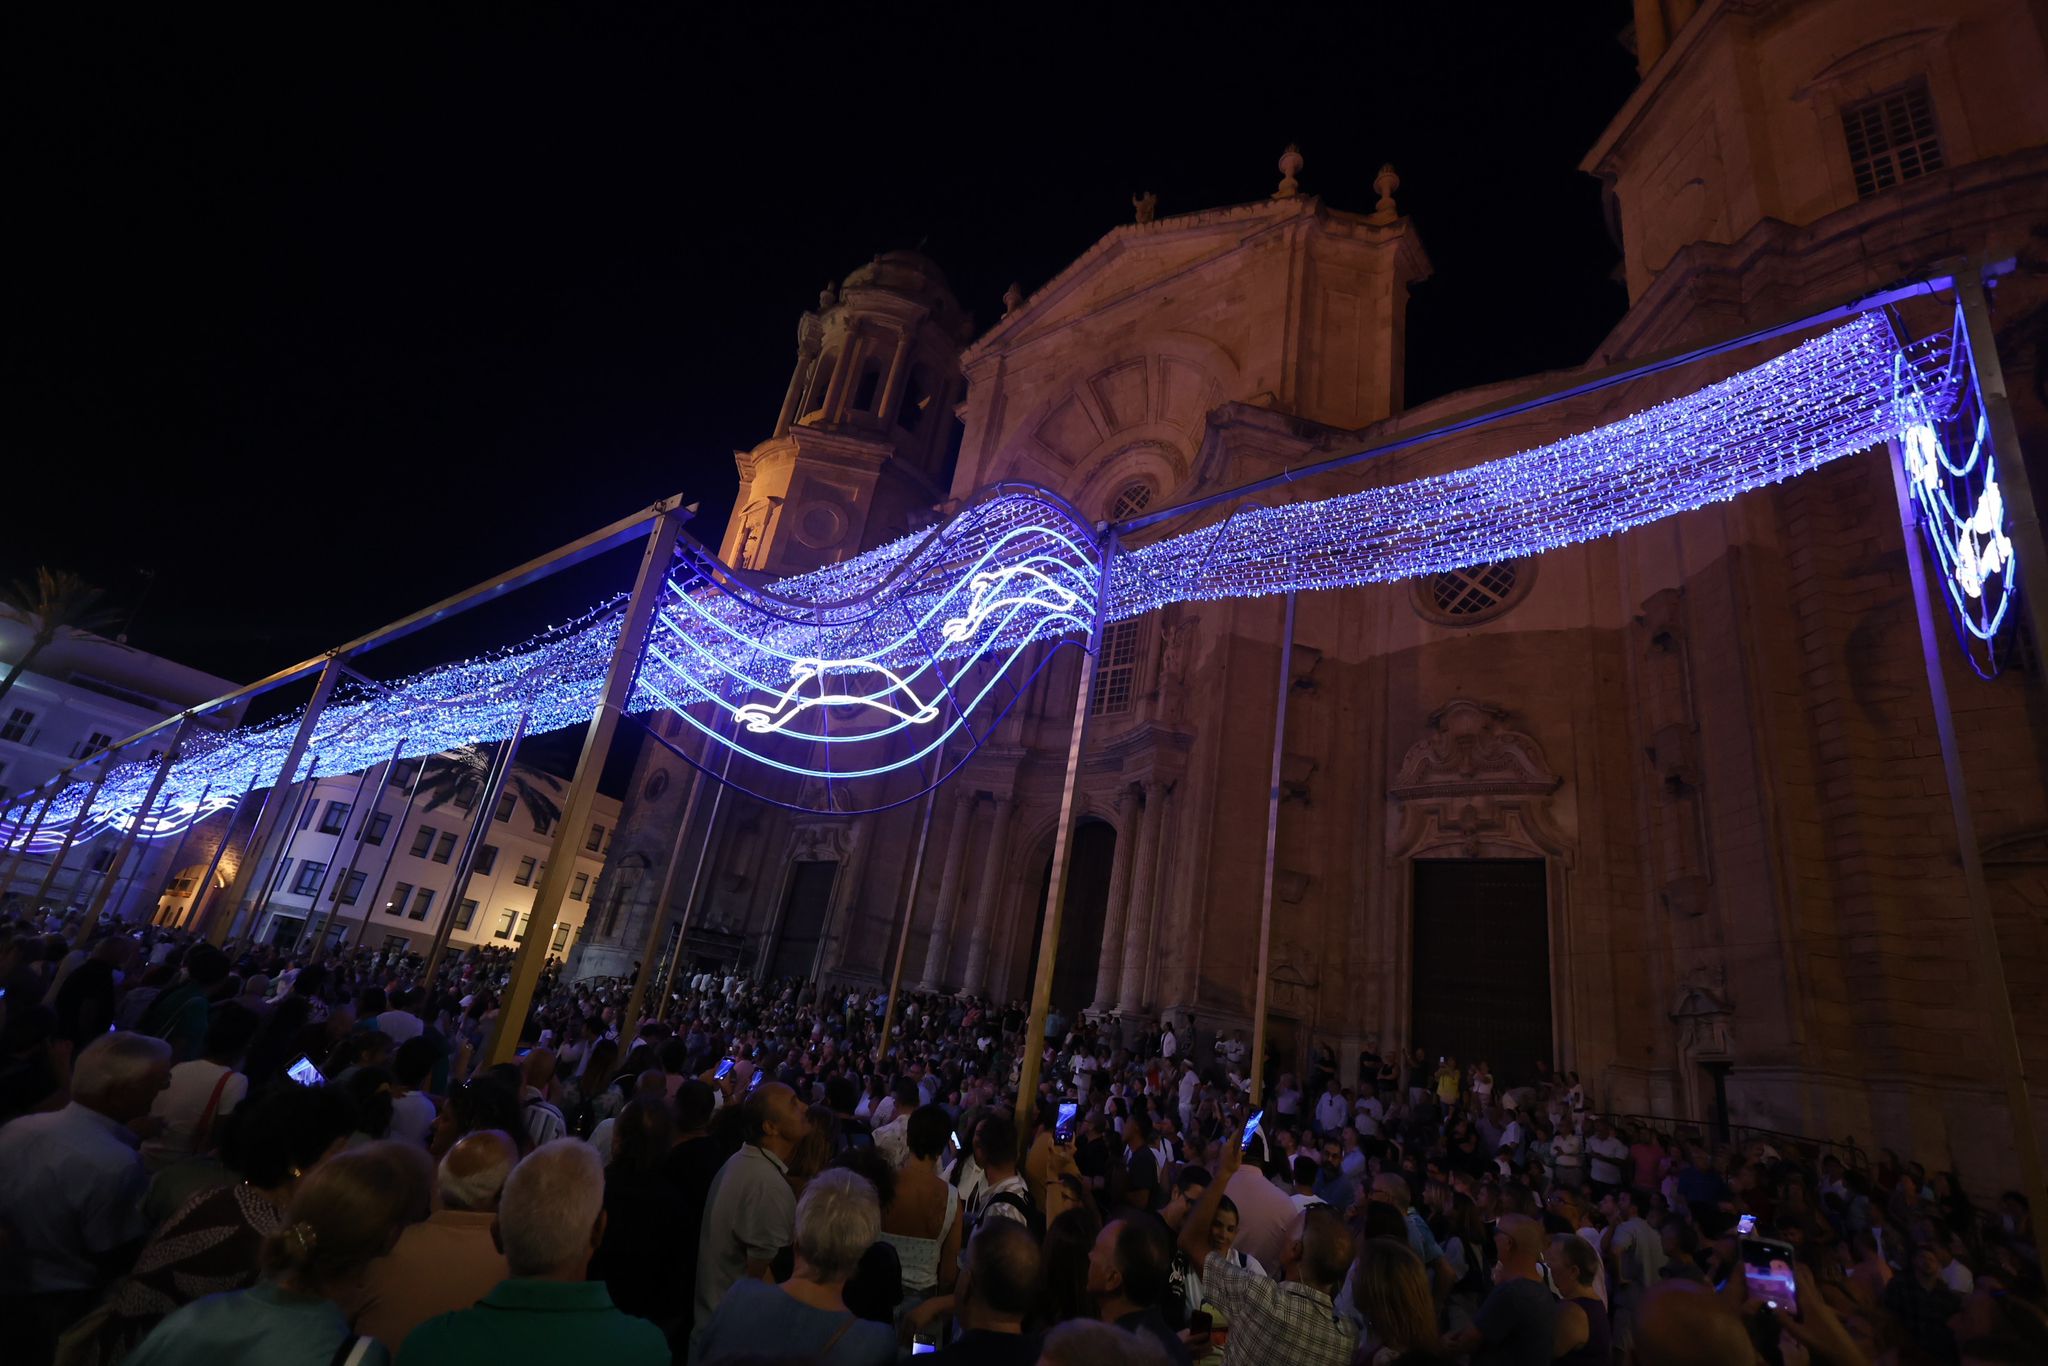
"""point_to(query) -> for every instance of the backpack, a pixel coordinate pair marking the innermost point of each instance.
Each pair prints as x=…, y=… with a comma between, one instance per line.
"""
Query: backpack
x=1034, y=1217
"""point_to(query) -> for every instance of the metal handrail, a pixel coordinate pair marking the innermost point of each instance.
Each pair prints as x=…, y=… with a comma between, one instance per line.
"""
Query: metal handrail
x=1847, y=1149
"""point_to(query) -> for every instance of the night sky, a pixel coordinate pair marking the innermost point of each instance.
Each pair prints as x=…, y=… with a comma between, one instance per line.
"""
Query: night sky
x=321, y=323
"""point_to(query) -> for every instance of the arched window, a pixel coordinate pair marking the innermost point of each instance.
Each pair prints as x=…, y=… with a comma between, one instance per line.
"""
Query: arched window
x=1132, y=499
x=867, y=394
x=1476, y=593
x=821, y=380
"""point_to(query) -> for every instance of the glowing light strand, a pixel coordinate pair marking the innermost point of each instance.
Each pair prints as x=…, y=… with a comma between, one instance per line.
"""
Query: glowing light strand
x=829, y=667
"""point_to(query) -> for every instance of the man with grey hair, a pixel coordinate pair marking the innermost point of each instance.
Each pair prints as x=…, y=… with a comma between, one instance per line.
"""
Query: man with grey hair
x=450, y=1261
x=71, y=1188
x=550, y=1220
x=805, y=1318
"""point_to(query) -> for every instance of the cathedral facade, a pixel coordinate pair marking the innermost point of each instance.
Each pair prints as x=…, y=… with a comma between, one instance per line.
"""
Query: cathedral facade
x=1666, y=810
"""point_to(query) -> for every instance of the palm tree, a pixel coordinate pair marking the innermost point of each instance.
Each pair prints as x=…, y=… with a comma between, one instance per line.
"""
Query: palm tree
x=56, y=600
x=460, y=775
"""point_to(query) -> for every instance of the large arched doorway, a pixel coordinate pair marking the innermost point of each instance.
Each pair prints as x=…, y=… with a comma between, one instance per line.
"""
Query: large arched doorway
x=1073, y=972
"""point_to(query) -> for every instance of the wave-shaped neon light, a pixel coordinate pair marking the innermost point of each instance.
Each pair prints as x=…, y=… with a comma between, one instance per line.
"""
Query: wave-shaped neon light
x=824, y=689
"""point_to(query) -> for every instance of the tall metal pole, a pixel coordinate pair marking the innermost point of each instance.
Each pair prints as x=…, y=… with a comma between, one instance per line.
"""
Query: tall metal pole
x=71, y=833
x=465, y=863
x=219, y=926
x=2024, y=514
x=1990, y=984
x=597, y=742
x=134, y=830
x=1260, y=987
x=924, y=834
x=203, y=898
x=21, y=851
x=1062, y=856
x=178, y=850
x=397, y=833
x=308, y=794
x=322, y=921
x=657, y=919
x=355, y=810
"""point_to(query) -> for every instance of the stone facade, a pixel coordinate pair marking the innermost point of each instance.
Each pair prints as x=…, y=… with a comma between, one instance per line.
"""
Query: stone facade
x=1693, y=767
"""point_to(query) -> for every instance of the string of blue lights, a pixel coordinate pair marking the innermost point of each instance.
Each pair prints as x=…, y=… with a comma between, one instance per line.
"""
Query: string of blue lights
x=836, y=679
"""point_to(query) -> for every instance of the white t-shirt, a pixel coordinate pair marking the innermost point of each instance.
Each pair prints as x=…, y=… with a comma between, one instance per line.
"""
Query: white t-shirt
x=183, y=1102
x=1168, y=1044
x=412, y=1117
x=399, y=1025
x=1607, y=1155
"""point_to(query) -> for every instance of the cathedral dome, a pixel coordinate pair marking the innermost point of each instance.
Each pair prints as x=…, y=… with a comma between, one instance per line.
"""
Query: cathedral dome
x=908, y=273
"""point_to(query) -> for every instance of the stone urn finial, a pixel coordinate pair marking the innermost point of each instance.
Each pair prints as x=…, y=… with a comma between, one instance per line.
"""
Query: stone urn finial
x=828, y=296
x=1290, y=167
x=1013, y=298
x=1147, y=205
x=1384, y=184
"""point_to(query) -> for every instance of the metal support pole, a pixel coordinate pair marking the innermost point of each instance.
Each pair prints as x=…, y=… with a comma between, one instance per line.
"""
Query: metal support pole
x=202, y=895
x=924, y=834
x=1990, y=984
x=273, y=804
x=71, y=834
x=397, y=832
x=178, y=850
x=134, y=830
x=697, y=875
x=597, y=743
x=465, y=863
x=658, y=919
x=21, y=853
x=1260, y=987
x=308, y=795
x=314, y=917
x=1062, y=859
x=2031, y=559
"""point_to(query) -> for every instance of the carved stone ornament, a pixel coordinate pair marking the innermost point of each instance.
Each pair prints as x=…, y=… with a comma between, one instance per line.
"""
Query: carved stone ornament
x=820, y=843
x=1703, y=1012
x=1474, y=787
x=1470, y=750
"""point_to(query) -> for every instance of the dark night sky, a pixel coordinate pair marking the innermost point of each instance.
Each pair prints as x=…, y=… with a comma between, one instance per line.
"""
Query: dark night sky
x=321, y=323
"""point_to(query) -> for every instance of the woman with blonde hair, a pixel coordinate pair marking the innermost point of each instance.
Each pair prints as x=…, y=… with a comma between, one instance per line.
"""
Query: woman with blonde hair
x=345, y=1214
x=1391, y=1289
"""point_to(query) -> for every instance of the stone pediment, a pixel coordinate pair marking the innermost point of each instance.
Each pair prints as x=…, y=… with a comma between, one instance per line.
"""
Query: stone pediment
x=1469, y=749
x=1128, y=261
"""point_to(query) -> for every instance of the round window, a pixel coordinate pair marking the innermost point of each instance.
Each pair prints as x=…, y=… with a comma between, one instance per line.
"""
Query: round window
x=1476, y=593
x=656, y=785
x=1132, y=499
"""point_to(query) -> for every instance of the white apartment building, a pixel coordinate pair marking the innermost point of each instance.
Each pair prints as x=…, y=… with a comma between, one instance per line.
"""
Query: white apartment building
x=385, y=877
x=83, y=694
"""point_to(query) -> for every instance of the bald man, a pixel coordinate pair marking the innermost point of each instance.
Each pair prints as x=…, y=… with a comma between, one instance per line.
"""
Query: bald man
x=450, y=1261
x=1683, y=1323
x=750, y=1212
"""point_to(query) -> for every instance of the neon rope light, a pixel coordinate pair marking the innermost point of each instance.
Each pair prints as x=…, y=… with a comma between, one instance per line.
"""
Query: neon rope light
x=842, y=682
x=1962, y=509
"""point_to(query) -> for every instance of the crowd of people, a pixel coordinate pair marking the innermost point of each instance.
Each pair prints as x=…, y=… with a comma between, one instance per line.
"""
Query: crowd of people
x=222, y=1157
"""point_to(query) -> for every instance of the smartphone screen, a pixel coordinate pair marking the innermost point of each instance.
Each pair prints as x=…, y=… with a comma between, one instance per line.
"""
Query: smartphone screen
x=1767, y=1264
x=304, y=1073
x=755, y=1083
x=1745, y=1226
x=1063, y=1132
x=724, y=1070
x=1251, y=1129
x=923, y=1347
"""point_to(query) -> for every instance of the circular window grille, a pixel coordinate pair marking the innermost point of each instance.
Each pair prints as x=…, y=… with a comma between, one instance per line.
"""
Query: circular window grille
x=1131, y=500
x=656, y=785
x=1464, y=596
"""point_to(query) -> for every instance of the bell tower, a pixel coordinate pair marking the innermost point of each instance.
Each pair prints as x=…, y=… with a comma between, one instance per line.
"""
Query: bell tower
x=865, y=442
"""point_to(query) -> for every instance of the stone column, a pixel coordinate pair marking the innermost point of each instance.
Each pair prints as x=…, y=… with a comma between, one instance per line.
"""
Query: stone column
x=1110, y=966
x=939, y=949
x=1138, y=918
x=806, y=360
x=978, y=935
x=891, y=396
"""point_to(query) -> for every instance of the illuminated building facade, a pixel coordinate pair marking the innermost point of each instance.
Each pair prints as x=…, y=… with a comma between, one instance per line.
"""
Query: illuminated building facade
x=1664, y=809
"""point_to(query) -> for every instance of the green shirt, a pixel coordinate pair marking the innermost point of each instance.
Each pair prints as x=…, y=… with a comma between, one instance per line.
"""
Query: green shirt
x=543, y=1322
